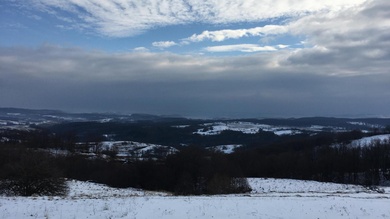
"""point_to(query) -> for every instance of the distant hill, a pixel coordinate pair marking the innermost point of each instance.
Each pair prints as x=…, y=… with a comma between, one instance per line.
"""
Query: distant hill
x=38, y=116
x=177, y=131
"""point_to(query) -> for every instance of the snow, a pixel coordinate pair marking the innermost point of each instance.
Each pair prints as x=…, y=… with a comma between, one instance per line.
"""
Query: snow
x=132, y=149
x=287, y=132
x=218, y=127
x=105, y=120
x=57, y=152
x=181, y=126
x=62, y=117
x=253, y=128
x=367, y=141
x=80, y=189
x=366, y=124
x=271, y=198
x=4, y=139
x=227, y=149
x=267, y=185
x=14, y=114
x=17, y=127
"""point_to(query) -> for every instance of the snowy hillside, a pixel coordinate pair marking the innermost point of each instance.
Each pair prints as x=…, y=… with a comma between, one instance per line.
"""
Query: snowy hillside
x=253, y=128
x=271, y=198
x=268, y=185
x=129, y=149
x=364, y=142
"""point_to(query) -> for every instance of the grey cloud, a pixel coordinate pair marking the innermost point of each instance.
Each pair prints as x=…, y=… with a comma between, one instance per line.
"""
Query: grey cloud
x=344, y=70
x=164, y=83
x=352, y=42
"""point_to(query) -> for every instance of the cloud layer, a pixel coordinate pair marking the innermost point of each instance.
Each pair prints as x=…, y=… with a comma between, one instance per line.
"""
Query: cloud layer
x=340, y=69
x=120, y=18
x=325, y=31
x=266, y=84
x=240, y=48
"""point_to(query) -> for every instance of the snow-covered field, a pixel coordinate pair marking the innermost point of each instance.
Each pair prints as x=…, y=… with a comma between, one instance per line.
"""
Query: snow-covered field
x=367, y=141
x=125, y=150
x=270, y=198
x=253, y=128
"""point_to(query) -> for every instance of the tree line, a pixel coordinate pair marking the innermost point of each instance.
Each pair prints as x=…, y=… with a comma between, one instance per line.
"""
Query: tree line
x=26, y=169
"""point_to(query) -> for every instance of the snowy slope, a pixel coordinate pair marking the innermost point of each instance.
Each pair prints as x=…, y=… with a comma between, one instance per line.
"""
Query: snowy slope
x=367, y=141
x=253, y=128
x=267, y=185
x=272, y=198
x=129, y=149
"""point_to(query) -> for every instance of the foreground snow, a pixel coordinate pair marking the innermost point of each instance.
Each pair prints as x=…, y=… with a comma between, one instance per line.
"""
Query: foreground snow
x=271, y=198
x=270, y=185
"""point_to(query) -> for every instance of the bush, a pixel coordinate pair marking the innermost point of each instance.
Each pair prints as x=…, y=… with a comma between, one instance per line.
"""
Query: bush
x=32, y=173
x=197, y=171
x=221, y=184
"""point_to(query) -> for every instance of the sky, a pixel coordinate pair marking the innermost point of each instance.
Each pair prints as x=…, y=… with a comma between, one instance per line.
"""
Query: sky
x=197, y=58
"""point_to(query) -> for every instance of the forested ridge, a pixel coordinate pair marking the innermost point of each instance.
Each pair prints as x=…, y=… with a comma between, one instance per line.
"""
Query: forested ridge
x=193, y=170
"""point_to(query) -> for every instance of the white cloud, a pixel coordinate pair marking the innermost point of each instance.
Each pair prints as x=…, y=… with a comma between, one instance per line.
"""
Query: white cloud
x=221, y=35
x=282, y=46
x=140, y=49
x=352, y=32
x=164, y=44
x=120, y=18
x=240, y=48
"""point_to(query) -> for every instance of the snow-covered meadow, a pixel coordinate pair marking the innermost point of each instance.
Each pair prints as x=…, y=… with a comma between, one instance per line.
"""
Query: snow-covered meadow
x=270, y=198
x=252, y=128
x=368, y=141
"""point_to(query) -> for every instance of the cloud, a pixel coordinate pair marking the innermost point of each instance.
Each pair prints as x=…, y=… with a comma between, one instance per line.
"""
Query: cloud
x=164, y=44
x=282, y=46
x=240, y=48
x=341, y=68
x=262, y=84
x=221, y=35
x=357, y=37
x=140, y=49
x=121, y=18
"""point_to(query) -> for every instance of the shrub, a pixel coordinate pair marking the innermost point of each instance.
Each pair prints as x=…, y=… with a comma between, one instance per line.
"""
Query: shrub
x=33, y=173
x=222, y=184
